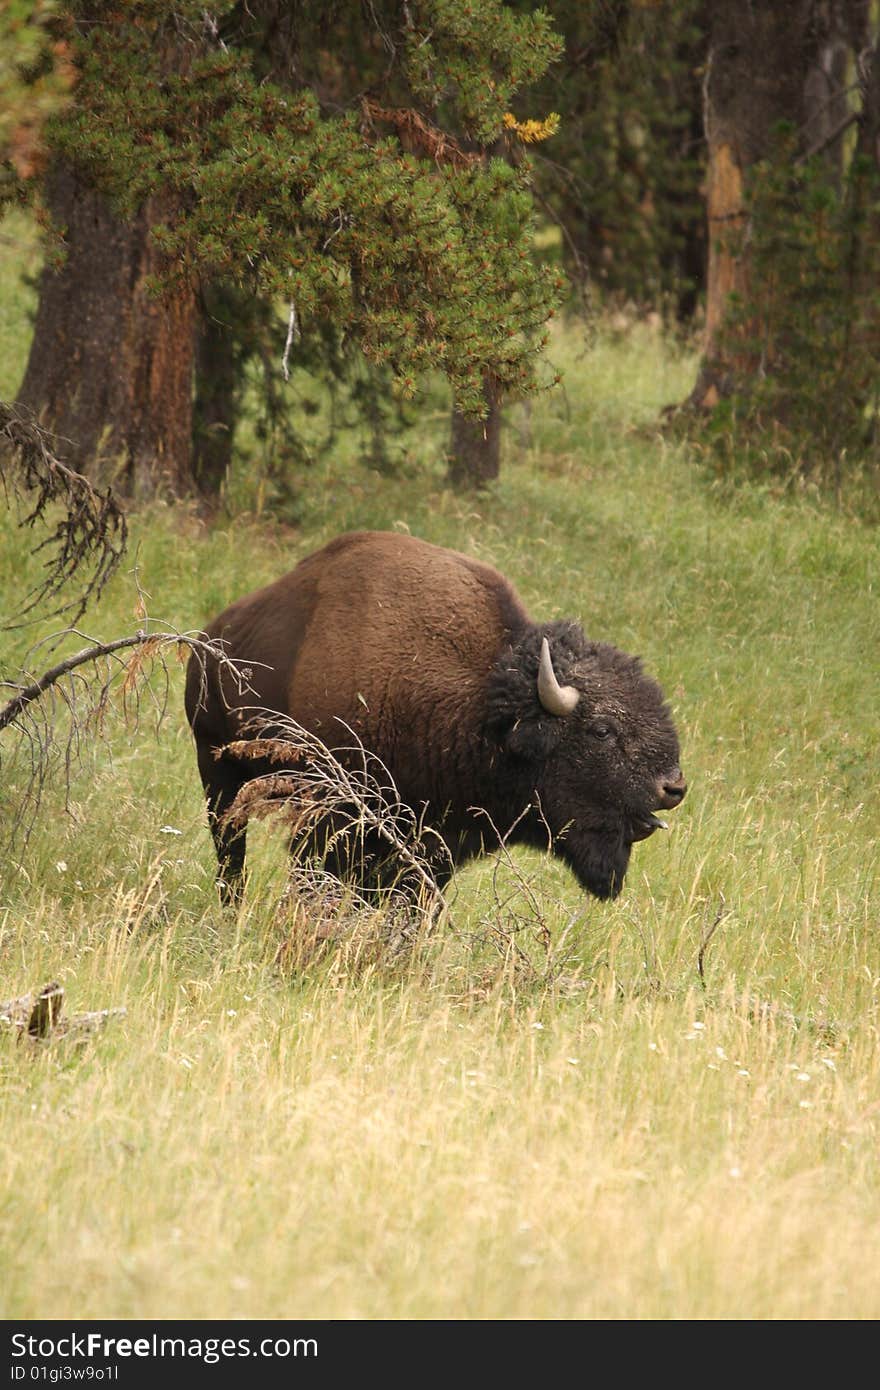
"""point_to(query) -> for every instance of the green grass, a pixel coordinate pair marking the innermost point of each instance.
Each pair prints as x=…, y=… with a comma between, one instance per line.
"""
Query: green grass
x=594, y=1134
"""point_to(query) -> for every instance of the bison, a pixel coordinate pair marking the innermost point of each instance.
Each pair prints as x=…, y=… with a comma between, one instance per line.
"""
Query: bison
x=488, y=722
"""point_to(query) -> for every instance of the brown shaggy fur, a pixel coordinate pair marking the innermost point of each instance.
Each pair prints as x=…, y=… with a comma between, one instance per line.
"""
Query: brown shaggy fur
x=429, y=660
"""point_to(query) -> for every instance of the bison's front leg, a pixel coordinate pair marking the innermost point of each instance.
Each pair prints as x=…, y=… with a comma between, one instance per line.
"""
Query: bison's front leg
x=222, y=782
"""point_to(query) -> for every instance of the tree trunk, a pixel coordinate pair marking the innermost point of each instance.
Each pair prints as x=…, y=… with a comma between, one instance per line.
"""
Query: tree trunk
x=864, y=188
x=217, y=400
x=826, y=103
x=475, y=445
x=759, y=61
x=111, y=366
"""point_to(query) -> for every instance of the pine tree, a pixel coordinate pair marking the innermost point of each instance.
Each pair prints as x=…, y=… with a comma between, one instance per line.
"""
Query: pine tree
x=333, y=157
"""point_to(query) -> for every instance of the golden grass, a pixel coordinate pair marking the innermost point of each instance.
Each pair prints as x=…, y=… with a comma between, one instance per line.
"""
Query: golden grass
x=387, y=1145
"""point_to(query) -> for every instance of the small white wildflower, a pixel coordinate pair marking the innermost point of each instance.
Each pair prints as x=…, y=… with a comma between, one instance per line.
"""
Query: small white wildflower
x=538, y=1027
x=169, y=830
x=232, y=1013
x=743, y=1072
x=736, y=1172
x=573, y=1061
x=652, y=1047
x=61, y=866
x=806, y=1104
x=711, y=1066
x=803, y=1076
x=829, y=1063
x=721, y=1054
x=186, y=1062
x=698, y=1027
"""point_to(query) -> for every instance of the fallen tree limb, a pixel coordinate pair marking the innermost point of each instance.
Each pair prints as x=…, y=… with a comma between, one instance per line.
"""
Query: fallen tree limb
x=38, y=1016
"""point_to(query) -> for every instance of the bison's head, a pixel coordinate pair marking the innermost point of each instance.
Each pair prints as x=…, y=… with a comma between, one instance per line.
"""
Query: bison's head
x=587, y=736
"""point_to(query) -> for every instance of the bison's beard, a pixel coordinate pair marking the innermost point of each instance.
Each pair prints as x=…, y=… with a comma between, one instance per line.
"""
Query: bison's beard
x=599, y=858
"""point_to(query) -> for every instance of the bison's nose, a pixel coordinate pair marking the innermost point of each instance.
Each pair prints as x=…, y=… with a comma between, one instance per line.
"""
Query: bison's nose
x=672, y=789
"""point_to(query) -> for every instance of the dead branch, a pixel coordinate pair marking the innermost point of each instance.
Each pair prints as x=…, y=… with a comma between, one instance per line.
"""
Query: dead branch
x=519, y=913
x=152, y=644
x=418, y=137
x=323, y=917
x=92, y=530
x=835, y=133
x=37, y=1016
x=80, y=687
x=707, y=937
x=337, y=795
x=344, y=800
x=13, y=708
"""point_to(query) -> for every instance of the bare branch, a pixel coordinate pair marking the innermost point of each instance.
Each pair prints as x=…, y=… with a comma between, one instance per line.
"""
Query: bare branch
x=707, y=937
x=344, y=794
x=418, y=136
x=521, y=912
x=37, y=1016
x=834, y=134
x=292, y=334
x=13, y=708
x=92, y=529
x=80, y=687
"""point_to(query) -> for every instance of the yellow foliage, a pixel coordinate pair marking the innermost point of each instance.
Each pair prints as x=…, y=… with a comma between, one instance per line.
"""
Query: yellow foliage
x=530, y=132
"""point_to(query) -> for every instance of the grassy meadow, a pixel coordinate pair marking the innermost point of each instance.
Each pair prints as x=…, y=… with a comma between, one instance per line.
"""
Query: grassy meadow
x=546, y=1109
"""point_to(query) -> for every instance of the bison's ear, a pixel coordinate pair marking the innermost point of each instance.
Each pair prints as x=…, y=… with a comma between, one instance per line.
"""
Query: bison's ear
x=519, y=726
x=533, y=737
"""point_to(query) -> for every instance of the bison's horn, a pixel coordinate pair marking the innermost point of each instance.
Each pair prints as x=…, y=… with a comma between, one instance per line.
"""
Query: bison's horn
x=556, y=698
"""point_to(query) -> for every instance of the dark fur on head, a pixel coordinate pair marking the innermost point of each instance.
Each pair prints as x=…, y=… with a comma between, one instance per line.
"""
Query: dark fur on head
x=596, y=775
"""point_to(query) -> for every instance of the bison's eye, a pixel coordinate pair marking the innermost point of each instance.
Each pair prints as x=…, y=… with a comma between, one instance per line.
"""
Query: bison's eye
x=601, y=730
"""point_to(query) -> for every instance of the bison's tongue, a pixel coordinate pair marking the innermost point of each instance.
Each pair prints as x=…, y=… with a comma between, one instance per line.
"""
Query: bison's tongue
x=643, y=826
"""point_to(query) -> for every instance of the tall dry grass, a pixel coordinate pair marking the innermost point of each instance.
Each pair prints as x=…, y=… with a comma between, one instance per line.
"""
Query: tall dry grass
x=544, y=1108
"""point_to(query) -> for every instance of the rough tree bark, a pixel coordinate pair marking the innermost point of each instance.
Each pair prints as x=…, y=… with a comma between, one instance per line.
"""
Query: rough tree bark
x=864, y=186
x=111, y=365
x=760, y=59
x=216, y=403
x=475, y=445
